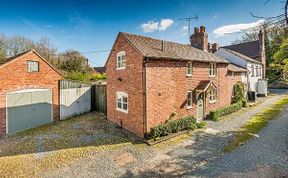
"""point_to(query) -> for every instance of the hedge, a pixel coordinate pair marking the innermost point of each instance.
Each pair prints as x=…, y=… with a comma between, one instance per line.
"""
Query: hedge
x=215, y=115
x=185, y=123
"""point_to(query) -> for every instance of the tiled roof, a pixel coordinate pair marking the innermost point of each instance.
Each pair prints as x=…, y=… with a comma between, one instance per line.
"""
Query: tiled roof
x=235, y=68
x=155, y=48
x=247, y=58
x=250, y=49
x=100, y=69
x=204, y=85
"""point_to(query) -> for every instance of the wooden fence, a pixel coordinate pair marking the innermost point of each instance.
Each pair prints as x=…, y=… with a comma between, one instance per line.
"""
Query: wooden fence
x=100, y=98
x=75, y=98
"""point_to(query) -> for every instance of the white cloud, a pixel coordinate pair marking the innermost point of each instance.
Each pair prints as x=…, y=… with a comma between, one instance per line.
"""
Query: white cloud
x=215, y=16
x=152, y=26
x=165, y=23
x=185, y=28
x=235, y=28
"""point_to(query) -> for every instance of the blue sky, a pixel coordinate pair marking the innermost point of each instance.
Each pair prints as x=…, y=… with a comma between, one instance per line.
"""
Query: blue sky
x=93, y=25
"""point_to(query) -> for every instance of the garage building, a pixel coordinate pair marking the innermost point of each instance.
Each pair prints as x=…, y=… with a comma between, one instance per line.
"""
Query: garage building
x=28, y=92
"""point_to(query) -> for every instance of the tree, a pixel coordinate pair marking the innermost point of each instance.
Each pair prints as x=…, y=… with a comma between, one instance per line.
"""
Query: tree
x=73, y=61
x=2, y=49
x=280, y=62
x=247, y=37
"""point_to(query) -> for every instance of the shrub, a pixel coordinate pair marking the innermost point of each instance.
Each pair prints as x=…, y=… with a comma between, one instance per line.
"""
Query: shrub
x=173, y=126
x=201, y=125
x=215, y=115
x=238, y=92
x=185, y=123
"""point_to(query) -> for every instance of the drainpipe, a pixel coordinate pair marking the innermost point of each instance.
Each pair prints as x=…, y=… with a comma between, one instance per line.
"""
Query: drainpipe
x=144, y=96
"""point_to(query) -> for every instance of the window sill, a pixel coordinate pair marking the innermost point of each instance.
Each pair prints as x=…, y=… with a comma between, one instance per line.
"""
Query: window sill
x=122, y=110
x=121, y=68
x=211, y=102
x=189, y=107
x=189, y=76
x=212, y=76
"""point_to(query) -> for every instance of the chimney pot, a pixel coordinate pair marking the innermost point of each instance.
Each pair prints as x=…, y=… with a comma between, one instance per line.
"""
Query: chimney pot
x=202, y=29
x=215, y=47
x=196, y=30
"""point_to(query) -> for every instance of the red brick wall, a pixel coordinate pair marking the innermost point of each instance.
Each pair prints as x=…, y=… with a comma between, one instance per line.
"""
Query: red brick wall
x=14, y=77
x=167, y=87
x=131, y=84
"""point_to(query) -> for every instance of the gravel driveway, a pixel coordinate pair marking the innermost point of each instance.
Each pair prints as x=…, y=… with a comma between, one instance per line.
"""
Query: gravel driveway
x=195, y=155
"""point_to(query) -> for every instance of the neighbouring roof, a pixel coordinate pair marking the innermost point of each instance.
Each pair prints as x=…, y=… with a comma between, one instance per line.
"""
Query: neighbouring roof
x=205, y=85
x=100, y=69
x=247, y=58
x=235, y=68
x=152, y=48
x=250, y=49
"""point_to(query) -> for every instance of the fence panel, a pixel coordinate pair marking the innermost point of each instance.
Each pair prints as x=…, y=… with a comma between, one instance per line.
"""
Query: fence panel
x=75, y=98
x=100, y=99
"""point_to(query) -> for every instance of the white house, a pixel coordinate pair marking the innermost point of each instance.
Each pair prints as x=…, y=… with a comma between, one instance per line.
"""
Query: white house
x=254, y=67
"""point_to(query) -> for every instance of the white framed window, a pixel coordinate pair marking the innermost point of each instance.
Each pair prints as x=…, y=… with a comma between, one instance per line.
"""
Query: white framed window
x=233, y=75
x=32, y=66
x=121, y=60
x=260, y=71
x=212, y=70
x=212, y=96
x=189, y=99
x=189, y=69
x=252, y=71
x=122, y=102
x=257, y=71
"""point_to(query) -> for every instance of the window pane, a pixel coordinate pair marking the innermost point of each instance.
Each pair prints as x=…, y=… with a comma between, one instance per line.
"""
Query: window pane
x=125, y=106
x=125, y=99
x=33, y=66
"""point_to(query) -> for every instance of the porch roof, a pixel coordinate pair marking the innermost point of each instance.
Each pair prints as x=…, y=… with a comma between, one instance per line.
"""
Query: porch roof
x=204, y=85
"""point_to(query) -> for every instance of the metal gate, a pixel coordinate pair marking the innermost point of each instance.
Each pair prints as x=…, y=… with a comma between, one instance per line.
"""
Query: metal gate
x=75, y=98
x=100, y=98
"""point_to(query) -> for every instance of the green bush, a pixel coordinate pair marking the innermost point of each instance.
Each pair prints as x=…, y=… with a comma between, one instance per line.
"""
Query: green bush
x=215, y=115
x=200, y=125
x=185, y=123
x=238, y=92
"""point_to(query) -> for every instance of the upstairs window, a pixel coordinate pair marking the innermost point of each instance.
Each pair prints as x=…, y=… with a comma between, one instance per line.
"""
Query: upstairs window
x=212, y=70
x=260, y=71
x=189, y=99
x=189, y=69
x=212, y=96
x=32, y=66
x=257, y=71
x=122, y=102
x=121, y=60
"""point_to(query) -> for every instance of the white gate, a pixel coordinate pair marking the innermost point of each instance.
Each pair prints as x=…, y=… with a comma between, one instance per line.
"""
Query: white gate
x=75, y=98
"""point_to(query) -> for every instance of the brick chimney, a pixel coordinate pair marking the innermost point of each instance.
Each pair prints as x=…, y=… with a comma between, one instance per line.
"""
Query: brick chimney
x=262, y=52
x=215, y=47
x=199, y=39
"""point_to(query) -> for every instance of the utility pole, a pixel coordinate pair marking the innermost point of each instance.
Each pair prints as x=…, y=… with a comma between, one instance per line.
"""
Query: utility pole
x=286, y=11
x=188, y=20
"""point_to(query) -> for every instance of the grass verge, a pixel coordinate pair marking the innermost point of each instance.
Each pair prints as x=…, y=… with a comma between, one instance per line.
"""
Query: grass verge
x=255, y=124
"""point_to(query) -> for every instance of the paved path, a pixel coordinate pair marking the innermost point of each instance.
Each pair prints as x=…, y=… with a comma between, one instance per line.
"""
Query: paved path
x=198, y=156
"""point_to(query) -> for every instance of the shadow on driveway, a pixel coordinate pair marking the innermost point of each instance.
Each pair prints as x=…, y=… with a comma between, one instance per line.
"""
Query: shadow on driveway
x=91, y=129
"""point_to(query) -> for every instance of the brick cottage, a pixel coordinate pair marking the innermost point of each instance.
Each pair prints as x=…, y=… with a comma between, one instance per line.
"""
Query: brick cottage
x=149, y=79
x=28, y=92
